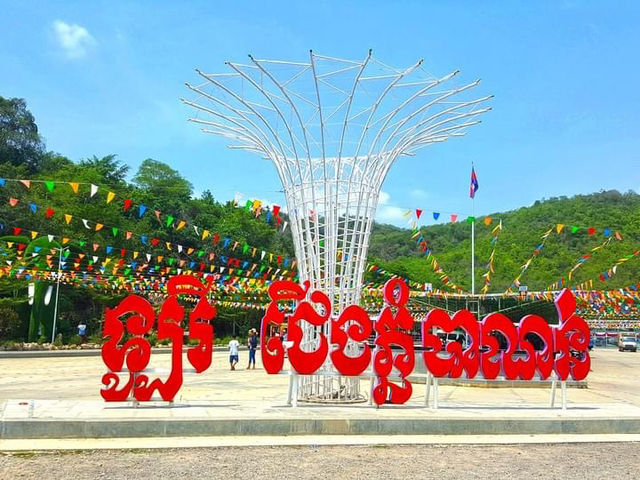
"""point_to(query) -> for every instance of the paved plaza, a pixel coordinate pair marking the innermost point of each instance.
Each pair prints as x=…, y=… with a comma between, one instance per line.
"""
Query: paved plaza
x=58, y=397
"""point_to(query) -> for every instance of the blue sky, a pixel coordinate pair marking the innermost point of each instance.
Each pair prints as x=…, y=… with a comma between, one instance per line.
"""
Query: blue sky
x=105, y=77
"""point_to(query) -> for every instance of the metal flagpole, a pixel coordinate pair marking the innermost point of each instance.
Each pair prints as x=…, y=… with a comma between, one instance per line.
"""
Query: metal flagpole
x=473, y=242
x=55, y=308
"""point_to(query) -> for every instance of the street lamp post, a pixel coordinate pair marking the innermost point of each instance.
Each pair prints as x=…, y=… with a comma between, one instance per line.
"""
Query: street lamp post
x=55, y=307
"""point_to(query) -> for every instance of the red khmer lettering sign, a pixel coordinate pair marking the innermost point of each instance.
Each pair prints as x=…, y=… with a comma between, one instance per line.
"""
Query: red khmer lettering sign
x=565, y=347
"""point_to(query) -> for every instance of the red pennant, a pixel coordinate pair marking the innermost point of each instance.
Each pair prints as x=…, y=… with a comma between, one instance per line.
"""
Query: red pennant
x=454, y=217
x=418, y=213
x=123, y=252
x=276, y=210
x=127, y=204
x=13, y=202
x=16, y=231
x=22, y=246
x=49, y=213
x=216, y=237
x=592, y=230
x=155, y=241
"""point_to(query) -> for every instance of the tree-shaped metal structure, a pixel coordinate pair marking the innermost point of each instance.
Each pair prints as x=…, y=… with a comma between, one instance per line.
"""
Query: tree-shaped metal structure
x=332, y=128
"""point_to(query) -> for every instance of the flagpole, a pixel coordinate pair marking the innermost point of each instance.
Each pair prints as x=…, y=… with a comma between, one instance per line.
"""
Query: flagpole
x=473, y=242
x=473, y=246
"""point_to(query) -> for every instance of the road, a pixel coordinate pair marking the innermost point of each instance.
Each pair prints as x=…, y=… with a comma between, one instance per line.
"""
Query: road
x=560, y=461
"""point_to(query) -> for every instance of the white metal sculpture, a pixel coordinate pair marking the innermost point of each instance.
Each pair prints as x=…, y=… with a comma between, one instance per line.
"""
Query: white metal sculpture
x=332, y=128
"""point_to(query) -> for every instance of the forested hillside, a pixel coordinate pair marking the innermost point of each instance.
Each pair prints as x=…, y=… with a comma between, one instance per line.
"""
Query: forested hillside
x=585, y=222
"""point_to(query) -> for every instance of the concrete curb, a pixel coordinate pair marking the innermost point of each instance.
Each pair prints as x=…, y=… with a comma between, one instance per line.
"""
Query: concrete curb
x=194, y=427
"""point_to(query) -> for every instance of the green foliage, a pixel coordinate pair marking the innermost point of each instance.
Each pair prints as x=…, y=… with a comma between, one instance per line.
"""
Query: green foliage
x=521, y=234
x=9, y=323
x=20, y=143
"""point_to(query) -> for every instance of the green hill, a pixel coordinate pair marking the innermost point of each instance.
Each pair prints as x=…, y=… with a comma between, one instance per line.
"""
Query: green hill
x=393, y=249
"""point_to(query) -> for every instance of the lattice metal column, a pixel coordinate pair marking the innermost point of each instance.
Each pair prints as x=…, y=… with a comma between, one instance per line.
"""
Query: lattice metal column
x=332, y=128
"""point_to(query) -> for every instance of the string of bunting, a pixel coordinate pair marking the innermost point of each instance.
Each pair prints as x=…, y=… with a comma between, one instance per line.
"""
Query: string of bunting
x=581, y=261
x=490, y=267
x=527, y=264
x=96, y=262
x=226, y=243
x=255, y=206
x=421, y=243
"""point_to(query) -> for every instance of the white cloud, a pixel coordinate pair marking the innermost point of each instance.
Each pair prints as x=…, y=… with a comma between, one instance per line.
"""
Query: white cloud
x=390, y=214
x=387, y=213
x=74, y=40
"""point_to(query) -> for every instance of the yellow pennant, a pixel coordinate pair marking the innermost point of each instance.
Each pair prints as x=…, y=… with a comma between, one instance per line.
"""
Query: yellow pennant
x=559, y=227
x=181, y=224
x=110, y=197
x=65, y=240
x=67, y=218
x=74, y=186
x=99, y=227
x=33, y=235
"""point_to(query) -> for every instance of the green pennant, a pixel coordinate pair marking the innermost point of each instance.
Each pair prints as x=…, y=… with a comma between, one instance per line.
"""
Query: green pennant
x=115, y=231
x=262, y=268
x=471, y=219
x=127, y=271
x=245, y=248
x=171, y=260
x=82, y=243
x=574, y=230
x=50, y=185
x=157, y=267
x=169, y=220
x=247, y=206
x=200, y=253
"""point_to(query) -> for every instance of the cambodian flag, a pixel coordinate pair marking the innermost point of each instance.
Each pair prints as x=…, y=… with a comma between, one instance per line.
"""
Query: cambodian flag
x=473, y=188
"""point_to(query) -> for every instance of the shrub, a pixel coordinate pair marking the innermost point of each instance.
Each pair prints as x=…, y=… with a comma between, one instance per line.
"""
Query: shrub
x=9, y=323
x=42, y=340
x=58, y=341
x=75, y=340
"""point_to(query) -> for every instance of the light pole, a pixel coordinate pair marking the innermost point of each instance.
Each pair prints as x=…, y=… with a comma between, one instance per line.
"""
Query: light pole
x=55, y=307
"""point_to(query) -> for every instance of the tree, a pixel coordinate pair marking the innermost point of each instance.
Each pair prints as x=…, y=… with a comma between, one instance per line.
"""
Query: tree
x=161, y=183
x=113, y=171
x=20, y=143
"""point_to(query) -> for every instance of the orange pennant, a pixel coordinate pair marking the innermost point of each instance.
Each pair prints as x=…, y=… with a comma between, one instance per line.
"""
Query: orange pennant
x=74, y=186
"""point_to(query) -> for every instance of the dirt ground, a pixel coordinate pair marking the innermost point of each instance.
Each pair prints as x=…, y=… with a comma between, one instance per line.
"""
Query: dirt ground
x=554, y=461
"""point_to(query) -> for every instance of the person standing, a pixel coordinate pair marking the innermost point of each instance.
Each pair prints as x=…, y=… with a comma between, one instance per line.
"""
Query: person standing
x=252, y=343
x=233, y=352
x=82, y=331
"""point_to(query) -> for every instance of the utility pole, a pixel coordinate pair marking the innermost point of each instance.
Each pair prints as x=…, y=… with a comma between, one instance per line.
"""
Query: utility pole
x=55, y=308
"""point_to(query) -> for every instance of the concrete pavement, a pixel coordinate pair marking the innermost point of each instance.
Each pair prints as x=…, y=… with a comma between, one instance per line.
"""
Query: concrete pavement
x=59, y=397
